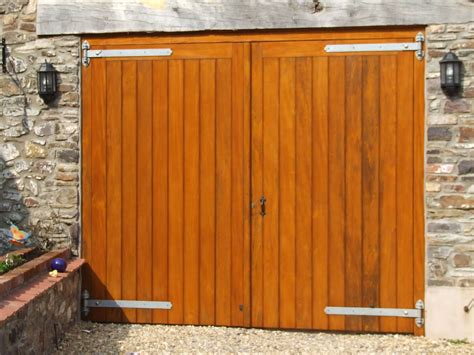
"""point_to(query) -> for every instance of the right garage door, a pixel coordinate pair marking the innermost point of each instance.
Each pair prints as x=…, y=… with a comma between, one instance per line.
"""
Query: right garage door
x=337, y=185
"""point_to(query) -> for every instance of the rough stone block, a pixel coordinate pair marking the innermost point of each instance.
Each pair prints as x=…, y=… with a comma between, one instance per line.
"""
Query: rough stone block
x=466, y=134
x=68, y=155
x=457, y=106
x=8, y=151
x=440, y=168
x=33, y=150
x=466, y=167
x=444, y=228
x=439, y=134
x=457, y=201
x=462, y=260
x=442, y=119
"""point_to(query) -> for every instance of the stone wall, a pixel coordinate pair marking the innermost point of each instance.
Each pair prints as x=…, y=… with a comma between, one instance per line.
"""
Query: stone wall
x=450, y=162
x=39, y=143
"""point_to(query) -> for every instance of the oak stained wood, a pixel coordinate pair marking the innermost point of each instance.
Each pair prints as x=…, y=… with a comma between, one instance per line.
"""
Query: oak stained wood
x=165, y=184
x=346, y=174
x=321, y=138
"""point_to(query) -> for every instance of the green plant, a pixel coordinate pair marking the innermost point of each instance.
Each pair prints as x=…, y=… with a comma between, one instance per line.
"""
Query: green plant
x=11, y=262
x=458, y=341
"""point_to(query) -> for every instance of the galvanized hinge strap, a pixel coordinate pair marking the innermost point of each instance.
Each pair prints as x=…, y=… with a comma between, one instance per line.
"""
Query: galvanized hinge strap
x=416, y=46
x=416, y=313
x=88, y=303
x=88, y=53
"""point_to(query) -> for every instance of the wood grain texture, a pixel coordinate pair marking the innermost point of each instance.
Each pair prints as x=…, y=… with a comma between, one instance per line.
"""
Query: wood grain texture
x=191, y=191
x=98, y=257
x=370, y=188
x=257, y=157
x=271, y=248
x=107, y=16
x=388, y=189
x=129, y=190
x=144, y=187
x=344, y=222
x=320, y=192
x=160, y=187
x=166, y=185
x=304, y=171
x=353, y=185
x=114, y=186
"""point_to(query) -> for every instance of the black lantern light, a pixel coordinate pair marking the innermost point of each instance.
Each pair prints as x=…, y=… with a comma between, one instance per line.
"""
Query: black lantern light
x=450, y=67
x=47, y=82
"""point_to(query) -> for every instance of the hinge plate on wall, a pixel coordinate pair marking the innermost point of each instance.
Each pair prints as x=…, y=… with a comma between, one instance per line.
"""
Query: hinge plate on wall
x=416, y=46
x=416, y=313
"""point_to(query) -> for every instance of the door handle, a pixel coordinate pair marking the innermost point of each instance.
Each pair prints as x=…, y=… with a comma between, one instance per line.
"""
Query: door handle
x=263, y=208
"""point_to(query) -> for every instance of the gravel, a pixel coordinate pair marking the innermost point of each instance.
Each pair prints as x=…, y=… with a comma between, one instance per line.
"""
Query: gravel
x=96, y=338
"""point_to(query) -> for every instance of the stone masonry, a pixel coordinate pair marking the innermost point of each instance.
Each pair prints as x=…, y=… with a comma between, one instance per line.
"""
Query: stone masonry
x=450, y=162
x=39, y=143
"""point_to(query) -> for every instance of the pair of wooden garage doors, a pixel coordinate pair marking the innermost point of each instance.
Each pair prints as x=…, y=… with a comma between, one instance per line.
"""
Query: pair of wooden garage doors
x=255, y=179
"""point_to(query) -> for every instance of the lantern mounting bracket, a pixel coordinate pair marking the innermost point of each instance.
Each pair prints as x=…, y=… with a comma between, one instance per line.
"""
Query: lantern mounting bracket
x=4, y=55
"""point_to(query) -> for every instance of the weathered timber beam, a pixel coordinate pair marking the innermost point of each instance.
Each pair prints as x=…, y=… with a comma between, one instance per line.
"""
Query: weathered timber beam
x=110, y=16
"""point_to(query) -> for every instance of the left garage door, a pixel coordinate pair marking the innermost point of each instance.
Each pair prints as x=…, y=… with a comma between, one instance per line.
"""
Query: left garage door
x=165, y=151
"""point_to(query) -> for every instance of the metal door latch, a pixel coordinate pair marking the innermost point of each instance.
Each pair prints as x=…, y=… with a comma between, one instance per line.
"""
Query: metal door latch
x=416, y=313
x=88, y=303
x=263, y=208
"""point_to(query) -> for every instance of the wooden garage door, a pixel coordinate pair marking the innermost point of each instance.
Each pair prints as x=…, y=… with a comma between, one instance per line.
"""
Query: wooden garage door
x=166, y=184
x=337, y=152
x=179, y=151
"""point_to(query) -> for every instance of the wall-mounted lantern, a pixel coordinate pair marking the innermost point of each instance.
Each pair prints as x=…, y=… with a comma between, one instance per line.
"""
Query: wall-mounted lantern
x=47, y=82
x=450, y=67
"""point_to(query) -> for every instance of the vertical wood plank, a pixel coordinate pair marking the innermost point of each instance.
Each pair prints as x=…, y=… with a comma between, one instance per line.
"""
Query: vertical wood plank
x=208, y=193
x=320, y=193
x=370, y=188
x=303, y=159
x=388, y=189
x=176, y=193
x=246, y=171
x=405, y=188
x=257, y=187
x=160, y=187
x=99, y=192
x=287, y=219
x=223, y=190
x=237, y=192
x=336, y=190
x=114, y=186
x=191, y=191
x=271, y=180
x=353, y=184
x=419, y=247
x=129, y=174
x=86, y=176
x=144, y=187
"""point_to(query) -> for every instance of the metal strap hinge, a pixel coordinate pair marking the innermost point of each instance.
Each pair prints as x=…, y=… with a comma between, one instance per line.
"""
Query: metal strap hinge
x=416, y=46
x=416, y=313
x=88, y=53
x=88, y=303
